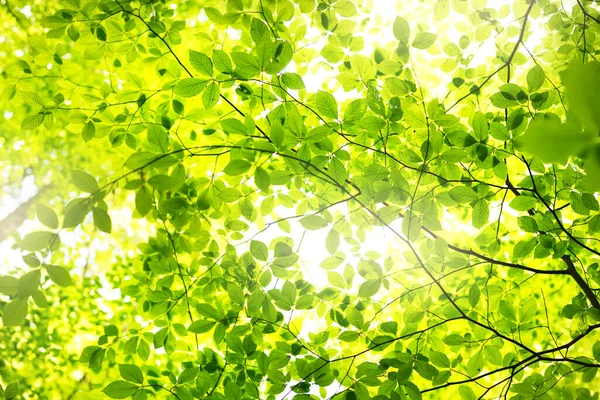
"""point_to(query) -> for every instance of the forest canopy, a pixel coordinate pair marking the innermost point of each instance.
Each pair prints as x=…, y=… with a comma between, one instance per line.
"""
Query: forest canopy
x=299, y=199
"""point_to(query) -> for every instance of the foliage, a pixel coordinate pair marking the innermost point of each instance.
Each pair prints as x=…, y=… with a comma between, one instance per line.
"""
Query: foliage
x=216, y=225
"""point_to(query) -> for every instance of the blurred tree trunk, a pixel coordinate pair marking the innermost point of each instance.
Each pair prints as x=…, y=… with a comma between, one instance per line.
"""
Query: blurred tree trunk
x=16, y=218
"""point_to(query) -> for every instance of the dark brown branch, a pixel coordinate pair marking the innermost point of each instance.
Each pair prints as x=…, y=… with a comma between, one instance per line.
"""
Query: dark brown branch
x=583, y=285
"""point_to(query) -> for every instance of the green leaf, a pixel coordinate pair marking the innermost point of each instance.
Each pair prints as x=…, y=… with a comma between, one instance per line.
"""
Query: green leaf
x=463, y=194
x=201, y=326
x=211, y=95
x=188, y=375
x=230, y=195
x=59, y=275
x=355, y=110
x=29, y=283
x=401, y=30
x=527, y=224
x=499, y=131
x=8, y=285
x=101, y=33
x=474, y=295
x=582, y=83
x=232, y=125
x=12, y=391
x=120, y=390
x=85, y=181
x=288, y=293
x=523, y=203
x=14, y=312
x=507, y=310
x=36, y=241
x=336, y=280
x=131, y=373
x=466, y=393
x=102, y=219
x=441, y=9
x=237, y=167
x=369, y=288
x=524, y=247
x=502, y=100
x=201, y=62
x=259, y=250
x=424, y=40
x=75, y=212
x=596, y=351
x=143, y=200
x=481, y=213
x=332, y=241
x=47, y=216
x=236, y=294
x=454, y=339
x=262, y=179
x=292, y=81
x=140, y=159
x=553, y=141
x=439, y=359
x=162, y=182
x=480, y=126
x=326, y=105
x=246, y=64
x=313, y=222
x=32, y=122
x=222, y=61
x=89, y=131
x=535, y=78
x=190, y=87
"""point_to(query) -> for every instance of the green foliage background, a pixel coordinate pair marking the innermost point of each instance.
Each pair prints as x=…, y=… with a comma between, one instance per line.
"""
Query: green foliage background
x=193, y=160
